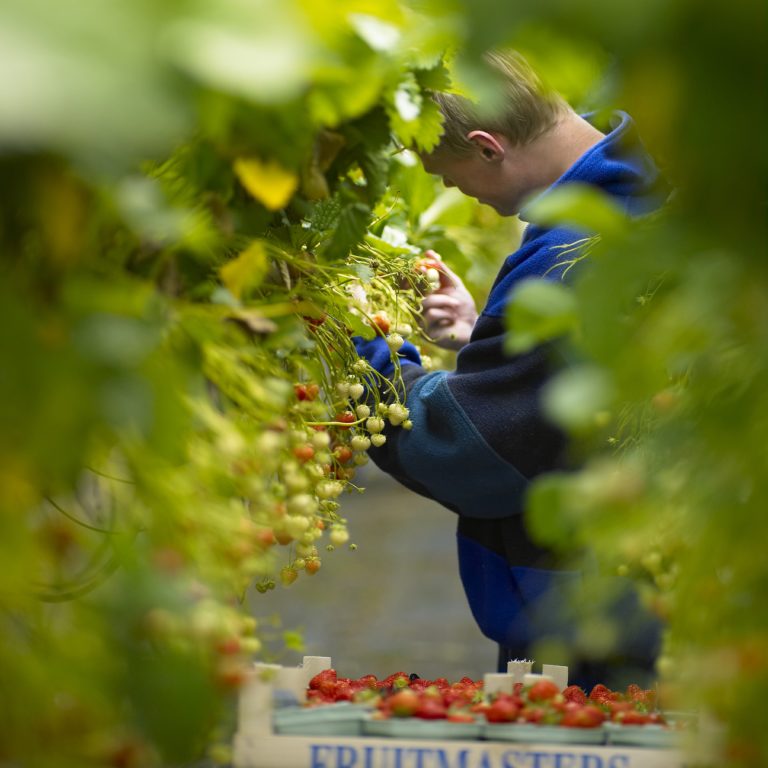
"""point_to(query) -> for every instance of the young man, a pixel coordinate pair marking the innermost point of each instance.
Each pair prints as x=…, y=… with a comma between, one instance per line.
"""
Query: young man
x=479, y=435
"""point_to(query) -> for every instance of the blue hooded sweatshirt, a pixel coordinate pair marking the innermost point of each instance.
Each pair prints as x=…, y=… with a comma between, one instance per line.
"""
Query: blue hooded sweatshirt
x=479, y=435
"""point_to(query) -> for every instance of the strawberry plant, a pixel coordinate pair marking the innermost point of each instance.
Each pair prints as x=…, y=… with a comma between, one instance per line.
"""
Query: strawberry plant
x=189, y=246
x=207, y=201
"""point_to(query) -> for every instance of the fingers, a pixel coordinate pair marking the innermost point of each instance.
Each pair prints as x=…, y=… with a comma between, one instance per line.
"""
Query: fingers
x=440, y=301
x=437, y=318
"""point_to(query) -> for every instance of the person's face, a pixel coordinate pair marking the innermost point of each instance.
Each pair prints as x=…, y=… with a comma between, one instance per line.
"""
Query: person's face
x=498, y=179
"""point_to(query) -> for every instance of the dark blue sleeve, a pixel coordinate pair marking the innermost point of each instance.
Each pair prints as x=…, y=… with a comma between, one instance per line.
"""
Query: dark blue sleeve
x=479, y=434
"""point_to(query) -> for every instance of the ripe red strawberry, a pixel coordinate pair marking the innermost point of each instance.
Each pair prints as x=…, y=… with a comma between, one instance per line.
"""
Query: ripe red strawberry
x=347, y=417
x=543, y=690
x=381, y=322
x=631, y=717
x=575, y=693
x=324, y=681
x=582, y=716
x=504, y=709
x=344, y=691
x=602, y=693
x=430, y=708
x=404, y=703
x=533, y=714
x=343, y=453
x=304, y=452
x=368, y=681
x=460, y=716
x=641, y=696
x=617, y=707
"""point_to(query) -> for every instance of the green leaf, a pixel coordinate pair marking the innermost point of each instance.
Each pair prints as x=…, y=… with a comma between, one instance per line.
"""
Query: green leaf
x=349, y=232
x=539, y=310
x=436, y=78
x=375, y=167
x=415, y=119
x=359, y=327
x=581, y=206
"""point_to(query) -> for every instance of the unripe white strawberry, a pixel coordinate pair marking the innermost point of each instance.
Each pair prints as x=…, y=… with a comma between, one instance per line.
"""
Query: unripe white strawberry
x=323, y=457
x=304, y=550
x=320, y=439
x=329, y=489
x=296, y=482
x=342, y=388
x=269, y=443
x=395, y=341
x=363, y=411
x=382, y=408
x=404, y=330
x=295, y=525
x=433, y=276
x=359, y=443
x=356, y=390
x=408, y=424
x=374, y=424
x=361, y=366
x=301, y=504
x=397, y=414
x=338, y=535
x=360, y=458
x=308, y=537
x=314, y=470
x=378, y=440
x=297, y=436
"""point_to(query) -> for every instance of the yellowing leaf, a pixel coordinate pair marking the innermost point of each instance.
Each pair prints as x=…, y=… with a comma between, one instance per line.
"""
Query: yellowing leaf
x=247, y=270
x=269, y=182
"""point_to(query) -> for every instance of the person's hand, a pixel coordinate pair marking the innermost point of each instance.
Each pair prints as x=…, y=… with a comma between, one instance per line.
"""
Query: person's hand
x=449, y=313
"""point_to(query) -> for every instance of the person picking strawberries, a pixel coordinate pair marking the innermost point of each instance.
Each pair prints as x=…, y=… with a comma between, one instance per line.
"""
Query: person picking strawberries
x=479, y=433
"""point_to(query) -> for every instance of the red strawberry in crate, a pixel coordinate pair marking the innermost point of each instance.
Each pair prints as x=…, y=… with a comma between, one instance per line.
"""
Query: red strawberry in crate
x=576, y=694
x=431, y=708
x=533, y=714
x=344, y=691
x=582, y=715
x=602, y=694
x=404, y=703
x=543, y=690
x=631, y=717
x=324, y=681
x=641, y=696
x=367, y=681
x=503, y=709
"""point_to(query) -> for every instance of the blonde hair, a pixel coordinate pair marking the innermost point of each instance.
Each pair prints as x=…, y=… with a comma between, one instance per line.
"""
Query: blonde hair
x=529, y=109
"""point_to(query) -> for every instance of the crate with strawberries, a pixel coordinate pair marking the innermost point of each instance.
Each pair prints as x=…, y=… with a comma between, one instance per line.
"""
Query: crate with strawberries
x=532, y=709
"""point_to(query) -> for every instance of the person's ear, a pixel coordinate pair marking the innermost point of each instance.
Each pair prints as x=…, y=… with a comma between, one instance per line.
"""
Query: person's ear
x=490, y=147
